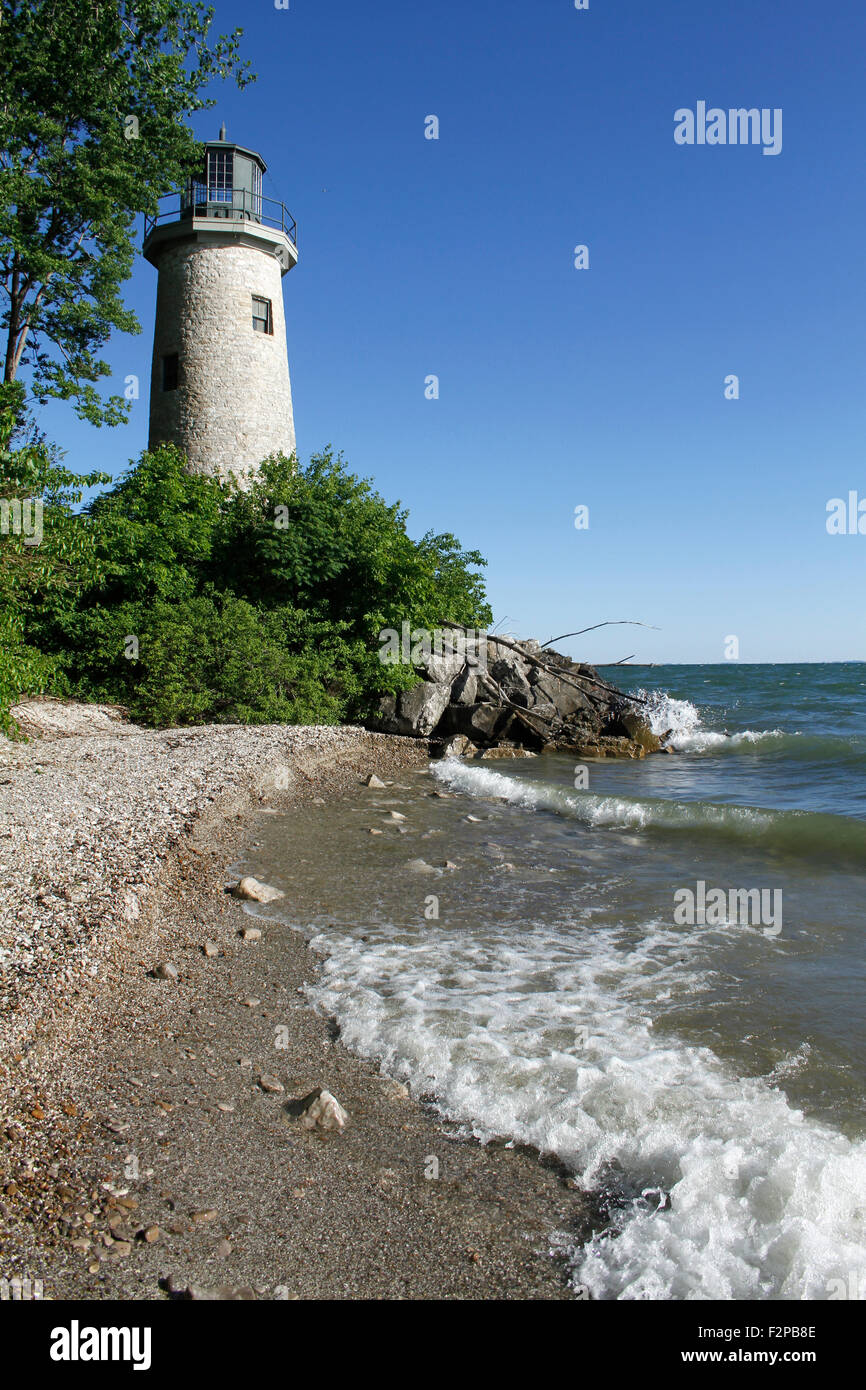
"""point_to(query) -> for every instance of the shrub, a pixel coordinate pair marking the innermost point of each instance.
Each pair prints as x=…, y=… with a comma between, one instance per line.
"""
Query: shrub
x=194, y=601
x=46, y=555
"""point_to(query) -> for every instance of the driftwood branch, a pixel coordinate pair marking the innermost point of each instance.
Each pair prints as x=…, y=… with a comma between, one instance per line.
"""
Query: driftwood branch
x=616, y=622
x=552, y=670
x=487, y=681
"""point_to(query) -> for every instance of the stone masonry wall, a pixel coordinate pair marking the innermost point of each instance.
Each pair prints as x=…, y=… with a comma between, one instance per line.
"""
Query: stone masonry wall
x=233, y=404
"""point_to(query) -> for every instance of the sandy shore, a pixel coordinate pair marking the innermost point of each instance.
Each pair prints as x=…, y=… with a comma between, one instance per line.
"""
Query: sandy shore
x=141, y=1156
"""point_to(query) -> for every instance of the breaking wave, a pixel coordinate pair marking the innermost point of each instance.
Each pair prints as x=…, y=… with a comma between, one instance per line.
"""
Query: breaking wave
x=836, y=839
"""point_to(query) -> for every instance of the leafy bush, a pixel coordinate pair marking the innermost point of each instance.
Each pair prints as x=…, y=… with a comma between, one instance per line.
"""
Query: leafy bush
x=216, y=658
x=194, y=601
x=46, y=555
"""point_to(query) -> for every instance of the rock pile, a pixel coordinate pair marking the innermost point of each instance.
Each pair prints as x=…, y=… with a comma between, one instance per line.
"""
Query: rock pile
x=505, y=697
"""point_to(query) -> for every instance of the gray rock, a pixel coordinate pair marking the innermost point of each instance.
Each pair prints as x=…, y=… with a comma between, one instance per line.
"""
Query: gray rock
x=167, y=970
x=422, y=707
x=445, y=668
x=502, y=751
x=511, y=675
x=529, y=730
x=271, y=1084
x=544, y=709
x=464, y=691
x=565, y=699
x=326, y=1113
x=319, y=1110
x=252, y=891
x=420, y=866
x=416, y=712
x=481, y=722
x=510, y=699
x=453, y=747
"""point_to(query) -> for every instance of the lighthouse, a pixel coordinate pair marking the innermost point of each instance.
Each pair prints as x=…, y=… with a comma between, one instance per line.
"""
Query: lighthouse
x=219, y=386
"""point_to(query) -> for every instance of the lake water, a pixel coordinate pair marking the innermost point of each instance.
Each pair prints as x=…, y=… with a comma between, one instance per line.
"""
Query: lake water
x=702, y=1073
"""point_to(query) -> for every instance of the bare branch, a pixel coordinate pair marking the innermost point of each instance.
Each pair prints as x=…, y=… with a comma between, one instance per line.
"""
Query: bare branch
x=618, y=622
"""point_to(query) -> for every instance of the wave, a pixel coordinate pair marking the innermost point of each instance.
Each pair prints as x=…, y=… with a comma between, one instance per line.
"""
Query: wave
x=683, y=722
x=715, y=1186
x=803, y=834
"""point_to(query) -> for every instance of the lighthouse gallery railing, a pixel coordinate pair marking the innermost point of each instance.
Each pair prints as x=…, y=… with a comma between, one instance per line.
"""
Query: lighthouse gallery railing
x=240, y=205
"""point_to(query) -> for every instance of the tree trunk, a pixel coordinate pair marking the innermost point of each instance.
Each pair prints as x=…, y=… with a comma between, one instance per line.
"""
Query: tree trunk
x=12, y=358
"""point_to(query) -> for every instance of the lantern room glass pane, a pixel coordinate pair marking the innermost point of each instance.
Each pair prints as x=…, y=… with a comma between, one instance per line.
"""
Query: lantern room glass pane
x=220, y=169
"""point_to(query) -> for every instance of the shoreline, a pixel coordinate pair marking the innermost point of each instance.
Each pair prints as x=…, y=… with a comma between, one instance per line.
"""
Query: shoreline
x=152, y=1086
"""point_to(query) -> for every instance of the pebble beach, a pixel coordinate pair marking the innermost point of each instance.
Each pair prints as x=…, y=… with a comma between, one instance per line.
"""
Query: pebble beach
x=151, y=1142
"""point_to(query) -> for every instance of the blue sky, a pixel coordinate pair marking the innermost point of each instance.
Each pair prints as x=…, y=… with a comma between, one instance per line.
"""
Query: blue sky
x=601, y=387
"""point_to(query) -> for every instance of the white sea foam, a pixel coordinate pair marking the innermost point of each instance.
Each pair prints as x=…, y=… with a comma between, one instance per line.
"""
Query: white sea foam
x=546, y=1036
x=790, y=1064
x=552, y=1034
x=682, y=720
x=592, y=809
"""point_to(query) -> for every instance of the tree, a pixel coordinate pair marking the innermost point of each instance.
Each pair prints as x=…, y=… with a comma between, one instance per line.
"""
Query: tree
x=325, y=539
x=93, y=99
x=46, y=556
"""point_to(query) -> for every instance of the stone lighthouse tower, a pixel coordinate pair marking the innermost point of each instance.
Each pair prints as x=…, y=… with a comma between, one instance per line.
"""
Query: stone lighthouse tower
x=219, y=385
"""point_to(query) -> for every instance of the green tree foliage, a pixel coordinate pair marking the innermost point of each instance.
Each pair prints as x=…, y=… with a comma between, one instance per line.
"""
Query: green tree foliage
x=324, y=539
x=78, y=78
x=199, y=602
x=46, y=556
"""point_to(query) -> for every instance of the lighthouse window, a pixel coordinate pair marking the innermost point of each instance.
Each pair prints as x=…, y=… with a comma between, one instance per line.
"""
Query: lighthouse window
x=169, y=371
x=262, y=317
x=220, y=167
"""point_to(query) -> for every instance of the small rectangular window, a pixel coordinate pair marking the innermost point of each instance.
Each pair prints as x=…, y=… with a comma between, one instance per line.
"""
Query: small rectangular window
x=263, y=321
x=169, y=371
